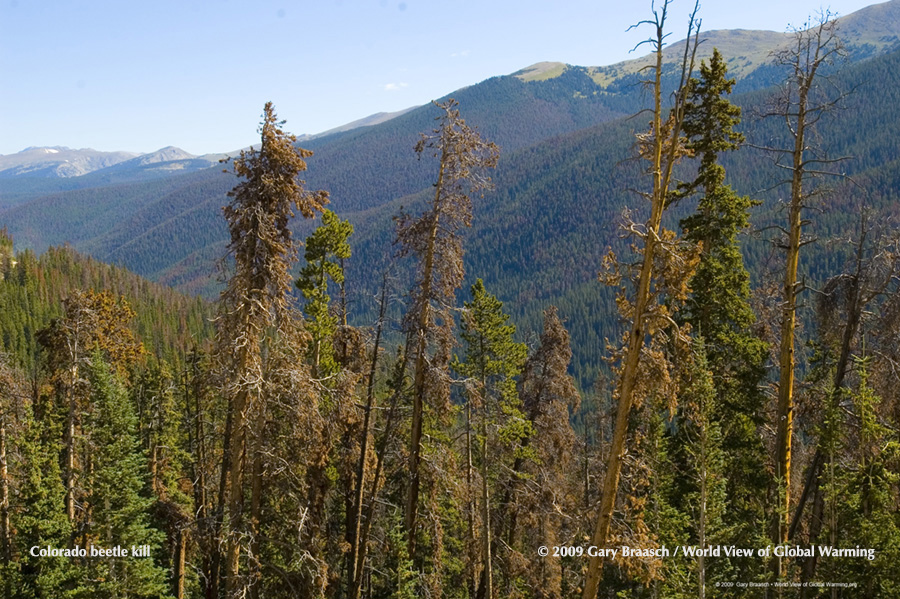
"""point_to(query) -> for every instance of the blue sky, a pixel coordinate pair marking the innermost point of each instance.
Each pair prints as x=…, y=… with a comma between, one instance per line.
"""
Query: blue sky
x=137, y=76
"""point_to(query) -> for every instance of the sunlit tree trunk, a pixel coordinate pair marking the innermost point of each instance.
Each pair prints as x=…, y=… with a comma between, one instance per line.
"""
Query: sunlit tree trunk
x=663, y=153
x=811, y=48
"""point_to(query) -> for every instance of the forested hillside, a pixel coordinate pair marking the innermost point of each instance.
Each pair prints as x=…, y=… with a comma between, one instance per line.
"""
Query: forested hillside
x=32, y=289
x=559, y=354
x=561, y=185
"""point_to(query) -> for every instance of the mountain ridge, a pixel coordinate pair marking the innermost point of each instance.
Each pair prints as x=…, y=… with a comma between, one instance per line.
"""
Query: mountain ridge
x=538, y=238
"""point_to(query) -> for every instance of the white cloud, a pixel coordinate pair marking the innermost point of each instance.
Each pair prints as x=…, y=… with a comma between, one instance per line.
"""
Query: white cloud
x=392, y=87
x=459, y=54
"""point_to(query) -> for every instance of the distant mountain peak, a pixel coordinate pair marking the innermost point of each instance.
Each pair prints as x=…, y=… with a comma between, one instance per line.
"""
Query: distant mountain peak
x=166, y=154
x=540, y=71
x=372, y=119
x=58, y=162
x=44, y=149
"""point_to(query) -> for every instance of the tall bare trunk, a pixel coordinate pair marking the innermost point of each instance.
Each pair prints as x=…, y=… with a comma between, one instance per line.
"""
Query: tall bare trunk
x=663, y=158
x=354, y=531
x=486, y=514
x=216, y=582
x=415, y=458
x=235, y=496
x=812, y=47
x=635, y=343
x=380, y=451
x=70, y=438
x=786, y=359
x=207, y=536
x=5, y=549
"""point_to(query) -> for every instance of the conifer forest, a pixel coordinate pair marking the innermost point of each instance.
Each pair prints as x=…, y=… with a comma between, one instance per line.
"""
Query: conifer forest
x=735, y=434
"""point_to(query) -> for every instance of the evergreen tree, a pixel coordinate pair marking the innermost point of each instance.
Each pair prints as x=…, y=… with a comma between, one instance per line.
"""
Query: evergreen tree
x=492, y=363
x=718, y=308
x=91, y=321
x=116, y=483
x=38, y=514
x=162, y=415
x=326, y=250
x=10, y=397
x=256, y=328
x=540, y=494
x=860, y=479
x=703, y=474
x=846, y=330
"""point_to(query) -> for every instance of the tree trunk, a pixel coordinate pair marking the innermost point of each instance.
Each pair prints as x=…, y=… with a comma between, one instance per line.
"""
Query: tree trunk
x=180, y=553
x=786, y=359
x=207, y=536
x=5, y=549
x=814, y=47
x=216, y=581
x=70, y=443
x=635, y=344
x=353, y=532
x=412, y=503
x=470, y=499
x=376, y=482
x=235, y=495
x=854, y=314
x=486, y=513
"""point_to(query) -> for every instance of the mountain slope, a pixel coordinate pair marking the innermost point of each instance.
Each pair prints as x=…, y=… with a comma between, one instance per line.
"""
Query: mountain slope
x=119, y=221
x=868, y=32
x=541, y=236
x=562, y=183
x=57, y=162
x=32, y=288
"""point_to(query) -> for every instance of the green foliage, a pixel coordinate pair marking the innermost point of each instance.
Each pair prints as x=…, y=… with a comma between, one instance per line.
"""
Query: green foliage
x=718, y=309
x=151, y=458
x=861, y=478
x=167, y=322
x=493, y=361
x=326, y=250
x=493, y=409
x=37, y=512
x=116, y=484
x=700, y=487
x=563, y=171
x=401, y=576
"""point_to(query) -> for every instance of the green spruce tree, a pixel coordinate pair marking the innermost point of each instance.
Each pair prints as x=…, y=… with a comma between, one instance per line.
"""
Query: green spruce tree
x=719, y=306
x=860, y=479
x=164, y=438
x=326, y=250
x=116, y=491
x=38, y=514
x=33, y=515
x=700, y=489
x=492, y=363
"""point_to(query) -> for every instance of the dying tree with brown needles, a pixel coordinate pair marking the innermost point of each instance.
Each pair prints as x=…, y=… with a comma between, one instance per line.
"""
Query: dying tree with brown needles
x=433, y=238
x=254, y=309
